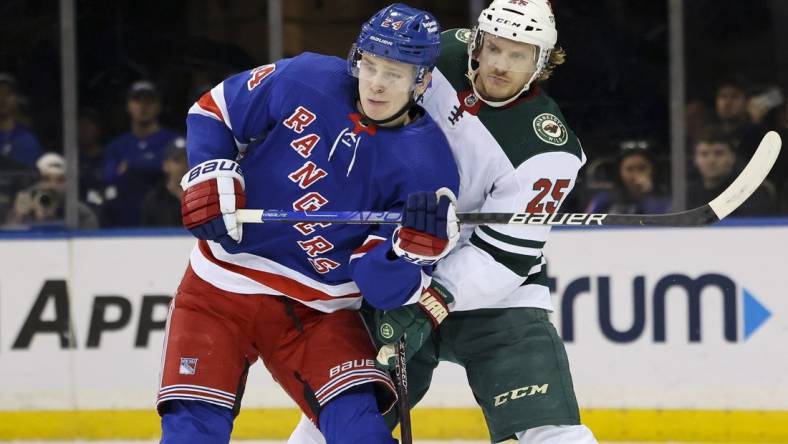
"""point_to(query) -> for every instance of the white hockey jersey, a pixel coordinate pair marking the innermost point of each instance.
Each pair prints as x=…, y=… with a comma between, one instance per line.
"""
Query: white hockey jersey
x=521, y=157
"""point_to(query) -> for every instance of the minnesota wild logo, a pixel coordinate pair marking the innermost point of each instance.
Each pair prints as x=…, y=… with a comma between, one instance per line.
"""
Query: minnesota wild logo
x=550, y=129
x=470, y=100
x=463, y=35
x=386, y=331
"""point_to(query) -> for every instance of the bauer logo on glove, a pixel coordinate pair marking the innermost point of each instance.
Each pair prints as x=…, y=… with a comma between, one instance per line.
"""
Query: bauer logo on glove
x=213, y=190
x=211, y=166
x=430, y=228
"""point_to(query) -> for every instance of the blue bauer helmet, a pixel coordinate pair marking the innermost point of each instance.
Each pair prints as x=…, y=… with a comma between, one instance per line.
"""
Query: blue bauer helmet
x=402, y=33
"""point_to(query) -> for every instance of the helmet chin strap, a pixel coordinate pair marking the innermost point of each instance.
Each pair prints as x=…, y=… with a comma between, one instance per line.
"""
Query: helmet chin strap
x=366, y=119
x=412, y=101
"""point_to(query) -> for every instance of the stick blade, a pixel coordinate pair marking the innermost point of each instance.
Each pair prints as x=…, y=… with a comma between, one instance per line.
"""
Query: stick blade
x=750, y=178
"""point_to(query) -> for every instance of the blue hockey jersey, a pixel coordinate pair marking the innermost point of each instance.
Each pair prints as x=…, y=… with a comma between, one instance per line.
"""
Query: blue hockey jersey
x=294, y=128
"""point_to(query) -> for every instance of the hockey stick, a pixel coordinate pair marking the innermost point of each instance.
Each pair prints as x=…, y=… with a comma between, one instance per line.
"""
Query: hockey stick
x=742, y=187
x=401, y=370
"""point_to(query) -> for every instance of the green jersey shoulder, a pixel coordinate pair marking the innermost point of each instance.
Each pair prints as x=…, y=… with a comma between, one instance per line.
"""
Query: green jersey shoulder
x=453, y=61
x=530, y=126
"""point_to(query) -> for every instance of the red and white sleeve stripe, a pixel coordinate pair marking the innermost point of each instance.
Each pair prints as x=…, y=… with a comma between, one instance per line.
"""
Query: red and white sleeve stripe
x=371, y=242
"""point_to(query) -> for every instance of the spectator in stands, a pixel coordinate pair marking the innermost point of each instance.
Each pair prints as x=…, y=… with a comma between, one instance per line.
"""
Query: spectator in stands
x=162, y=205
x=91, y=157
x=635, y=190
x=44, y=202
x=777, y=120
x=760, y=105
x=698, y=116
x=731, y=107
x=132, y=161
x=733, y=118
x=715, y=159
x=19, y=147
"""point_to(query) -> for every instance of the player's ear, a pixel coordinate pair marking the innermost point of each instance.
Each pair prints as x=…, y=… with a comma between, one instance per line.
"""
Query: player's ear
x=425, y=82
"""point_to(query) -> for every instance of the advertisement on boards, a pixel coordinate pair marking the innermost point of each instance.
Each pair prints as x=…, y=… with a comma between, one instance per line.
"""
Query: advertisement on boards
x=651, y=318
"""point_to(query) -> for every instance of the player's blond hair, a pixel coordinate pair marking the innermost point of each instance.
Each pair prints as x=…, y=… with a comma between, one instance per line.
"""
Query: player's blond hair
x=557, y=57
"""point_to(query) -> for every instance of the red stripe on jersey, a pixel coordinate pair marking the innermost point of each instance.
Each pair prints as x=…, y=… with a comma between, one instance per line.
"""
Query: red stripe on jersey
x=344, y=382
x=368, y=245
x=282, y=284
x=207, y=103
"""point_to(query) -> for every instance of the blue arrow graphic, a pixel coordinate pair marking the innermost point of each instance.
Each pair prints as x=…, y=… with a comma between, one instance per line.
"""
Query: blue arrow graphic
x=755, y=314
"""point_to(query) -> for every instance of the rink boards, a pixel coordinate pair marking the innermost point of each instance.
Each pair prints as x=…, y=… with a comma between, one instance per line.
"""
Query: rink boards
x=672, y=334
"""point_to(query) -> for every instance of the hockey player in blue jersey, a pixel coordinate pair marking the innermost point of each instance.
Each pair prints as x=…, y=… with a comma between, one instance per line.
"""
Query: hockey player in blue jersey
x=307, y=133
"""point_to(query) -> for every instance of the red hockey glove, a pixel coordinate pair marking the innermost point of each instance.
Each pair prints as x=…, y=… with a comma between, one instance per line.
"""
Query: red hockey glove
x=429, y=229
x=213, y=190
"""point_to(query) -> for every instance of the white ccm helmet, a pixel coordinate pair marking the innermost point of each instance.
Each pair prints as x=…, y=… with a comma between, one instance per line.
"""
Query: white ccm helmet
x=528, y=21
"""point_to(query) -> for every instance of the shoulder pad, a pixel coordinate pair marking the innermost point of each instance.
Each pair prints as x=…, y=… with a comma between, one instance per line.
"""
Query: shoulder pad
x=453, y=60
x=455, y=40
x=534, y=127
x=550, y=133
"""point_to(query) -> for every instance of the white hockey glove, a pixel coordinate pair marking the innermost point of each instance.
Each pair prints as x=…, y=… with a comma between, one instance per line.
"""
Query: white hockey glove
x=429, y=229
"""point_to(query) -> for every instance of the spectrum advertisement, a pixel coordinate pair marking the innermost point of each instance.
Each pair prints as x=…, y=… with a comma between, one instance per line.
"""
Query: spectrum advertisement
x=651, y=318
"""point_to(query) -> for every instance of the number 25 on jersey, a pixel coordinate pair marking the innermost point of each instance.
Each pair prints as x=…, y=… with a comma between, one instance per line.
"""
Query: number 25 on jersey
x=549, y=195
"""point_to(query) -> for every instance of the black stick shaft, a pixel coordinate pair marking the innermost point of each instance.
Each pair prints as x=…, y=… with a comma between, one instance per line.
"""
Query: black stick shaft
x=696, y=217
x=406, y=436
x=703, y=215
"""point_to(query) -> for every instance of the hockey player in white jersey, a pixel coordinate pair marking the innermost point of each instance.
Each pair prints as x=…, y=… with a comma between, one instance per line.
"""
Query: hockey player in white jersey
x=515, y=153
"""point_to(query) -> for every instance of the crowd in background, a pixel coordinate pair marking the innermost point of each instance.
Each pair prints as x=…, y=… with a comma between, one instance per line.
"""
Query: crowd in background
x=128, y=180
x=142, y=64
x=721, y=138
x=132, y=179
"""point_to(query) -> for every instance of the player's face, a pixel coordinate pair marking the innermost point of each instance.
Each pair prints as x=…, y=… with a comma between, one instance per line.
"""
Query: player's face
x=636, y=174
x=384, y=86
x=504, y=67
x=714, y=160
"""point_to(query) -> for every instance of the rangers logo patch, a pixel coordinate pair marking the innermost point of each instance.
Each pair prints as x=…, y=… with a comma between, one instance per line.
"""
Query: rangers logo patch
x=550, y=129
x=188, y=366
x=463, y=35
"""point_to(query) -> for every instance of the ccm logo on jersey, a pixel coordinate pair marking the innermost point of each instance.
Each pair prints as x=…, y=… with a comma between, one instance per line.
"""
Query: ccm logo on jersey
x=349, y=365
x=558, y=219
x=528, y=390
x=212, y=166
